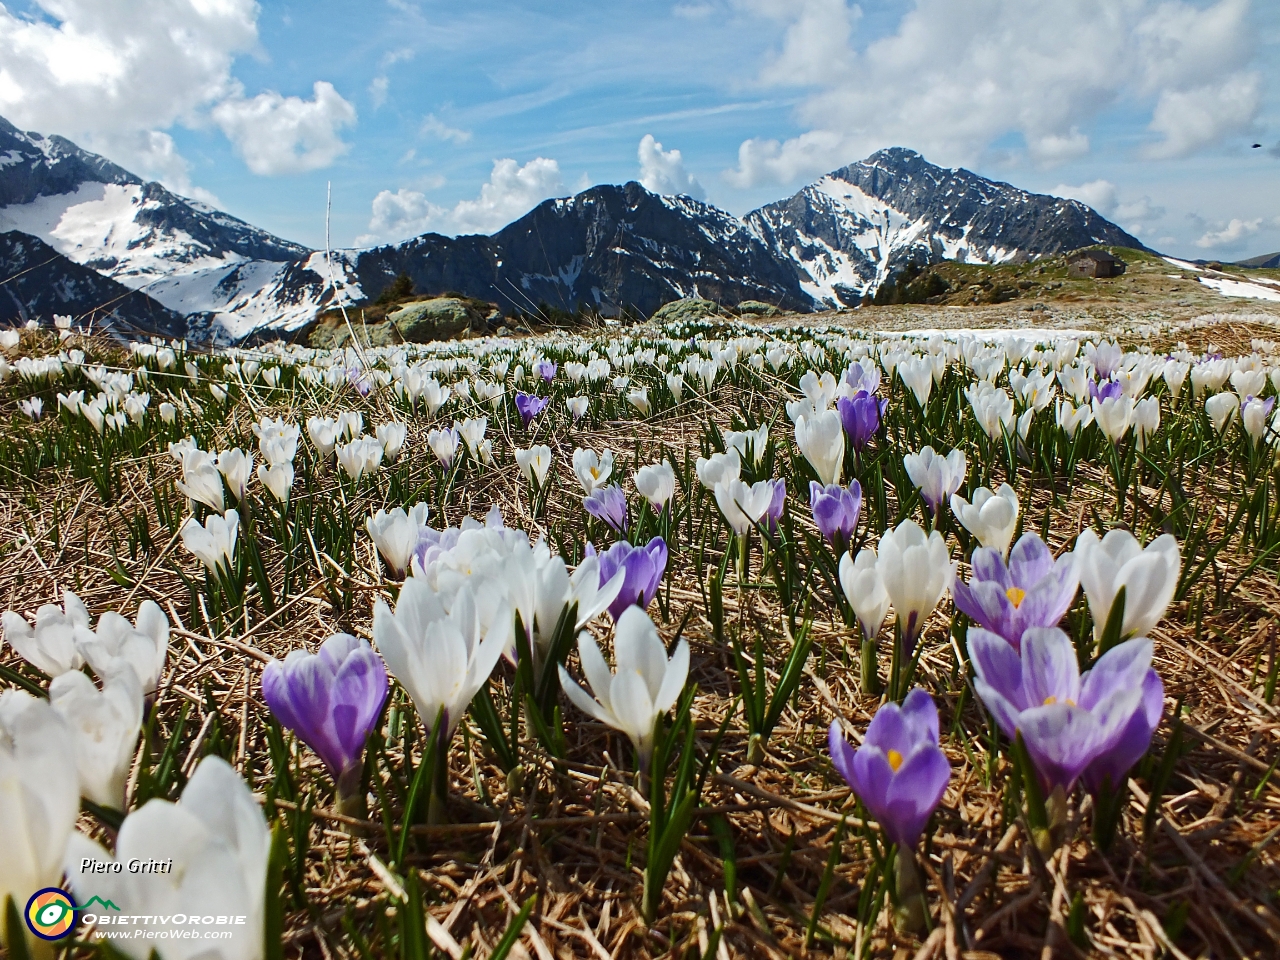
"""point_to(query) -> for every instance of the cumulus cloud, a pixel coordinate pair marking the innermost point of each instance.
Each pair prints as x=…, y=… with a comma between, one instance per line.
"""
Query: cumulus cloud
x=1138, y=216
x=113, y=76
x=1232, y=235
x=433, y=127
x=662, y=171
x=277, y=134
x=116, y=76
x=511, y=192
x=957, y=76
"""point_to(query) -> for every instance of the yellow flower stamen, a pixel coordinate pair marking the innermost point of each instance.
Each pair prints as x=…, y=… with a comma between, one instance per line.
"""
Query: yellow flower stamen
x=1051, y=700
x=1016, y=595
x=895, y=760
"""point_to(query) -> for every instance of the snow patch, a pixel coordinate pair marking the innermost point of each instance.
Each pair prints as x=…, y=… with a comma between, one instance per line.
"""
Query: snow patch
x=1239, y=288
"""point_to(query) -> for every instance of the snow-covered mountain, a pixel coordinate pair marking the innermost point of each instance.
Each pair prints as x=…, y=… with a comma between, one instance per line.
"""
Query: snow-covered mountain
x=609, y=248
x=227, y=276
x=40, y=283
x=854, y=228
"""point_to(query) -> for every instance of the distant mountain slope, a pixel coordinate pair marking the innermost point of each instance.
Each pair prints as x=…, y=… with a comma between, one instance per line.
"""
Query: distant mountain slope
x=1267, y=260
x=609, y=248
x=37, y=282
x=852, y=229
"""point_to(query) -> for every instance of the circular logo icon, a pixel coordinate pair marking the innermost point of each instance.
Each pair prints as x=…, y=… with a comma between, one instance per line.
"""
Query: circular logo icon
x=50, y=913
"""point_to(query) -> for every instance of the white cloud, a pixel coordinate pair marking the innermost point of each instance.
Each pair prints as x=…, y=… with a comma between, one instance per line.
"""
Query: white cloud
x=662, y=171
x=112, y=76
x=381, y=84
x=433, y=127
x=1231, y=235
x=1138, y=216
x=511, y=192
x=958, y=76
x=1191, y=119
x=277, y=134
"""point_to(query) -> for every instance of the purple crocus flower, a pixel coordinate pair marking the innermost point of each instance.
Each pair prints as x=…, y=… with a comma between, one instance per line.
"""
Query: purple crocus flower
x=1112, y=765
x=1109, y=390
x=861, y=415
x=359, y=380
x=776, y=505
x=530, y=406
x=899, y=773
x=835, y=510
x=331, y=699
x=608, y=504
x=1032, y=590
x=546, y=369
x=643, y=568
x=1068, y=721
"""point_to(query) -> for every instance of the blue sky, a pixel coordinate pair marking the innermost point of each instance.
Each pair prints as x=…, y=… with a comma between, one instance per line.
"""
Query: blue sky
x=459, y=117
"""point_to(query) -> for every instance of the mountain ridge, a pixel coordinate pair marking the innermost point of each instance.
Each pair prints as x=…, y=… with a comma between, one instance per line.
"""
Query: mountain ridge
x=611, y=248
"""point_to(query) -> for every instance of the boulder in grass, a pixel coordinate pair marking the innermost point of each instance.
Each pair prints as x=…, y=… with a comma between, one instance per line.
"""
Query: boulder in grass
x=757, y=308
x=685, y=311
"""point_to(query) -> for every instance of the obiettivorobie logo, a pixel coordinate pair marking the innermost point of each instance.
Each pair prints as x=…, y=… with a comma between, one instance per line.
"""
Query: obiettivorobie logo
x=51, y=913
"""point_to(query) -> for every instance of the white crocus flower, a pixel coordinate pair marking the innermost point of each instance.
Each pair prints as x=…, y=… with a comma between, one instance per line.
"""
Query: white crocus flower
x=644, y=686
x=917, y=374
x=434, y=395
x=277, y=478
x=359, y=457
x=444, y=445
x=935, y=476
x=1149, y=576
x=534, y=463
x=577, y=406
x=472, y=432
x=743, y=504
x=992, y=408
x=820, y=439
x=638, y=397
x=51, y=646
x=442, y=659
x=105, y=724
x=592, y=470
x=323, y=432
x=1146, y=420
x=750, y=444
x=391, y=436
x=219, y=843
x=991, y=517
x=215, y=542
x=864, y=589
x=819, y=390
x=143, y=644
x=395, y=533
x=917, y=573
x=201, y=481
x=236, y=468
x=350, y=424
x=168, y=412
x=1114, y=416
x=1248, y=383
x=39, y=797
x=656, y=482
x=1253, y=417
x=675, y=383
x=1071, y=418
x=718, y=468
x=1221, y=408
